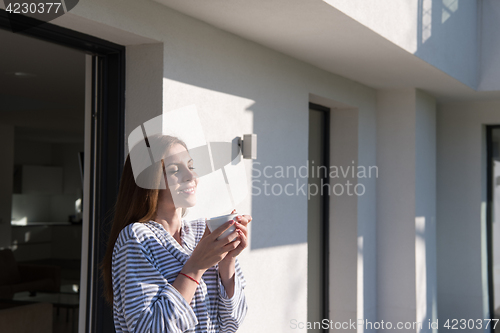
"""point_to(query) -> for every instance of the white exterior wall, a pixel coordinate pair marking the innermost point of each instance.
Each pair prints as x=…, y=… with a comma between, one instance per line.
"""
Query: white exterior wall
x=490, y=45
x=406, y=251
x=144, y=85
x=353, y=264
x=240, y=87
x=344, y=221
x=425, y=211
x=443, y=33
x=367, y=218
x=461, y=208
x=396, y=206
x=395, y=20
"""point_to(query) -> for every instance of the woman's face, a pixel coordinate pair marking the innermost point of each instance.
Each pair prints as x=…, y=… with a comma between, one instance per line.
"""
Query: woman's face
x=180, y=176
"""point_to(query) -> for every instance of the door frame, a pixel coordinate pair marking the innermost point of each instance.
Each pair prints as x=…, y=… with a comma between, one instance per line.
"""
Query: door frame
x=107, y=147
x=326, y=213
x=489, y=217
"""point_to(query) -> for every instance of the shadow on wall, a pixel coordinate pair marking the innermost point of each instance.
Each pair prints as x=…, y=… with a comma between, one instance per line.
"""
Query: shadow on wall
x=280, y=120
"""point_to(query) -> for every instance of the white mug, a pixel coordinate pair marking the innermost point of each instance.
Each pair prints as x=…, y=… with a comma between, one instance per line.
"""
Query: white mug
x=215, y=222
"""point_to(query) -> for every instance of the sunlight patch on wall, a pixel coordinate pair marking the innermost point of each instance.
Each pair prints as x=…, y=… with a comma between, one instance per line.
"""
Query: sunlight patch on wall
x=360, y=285
x=426, y=20
x=449, y=7
x=421, y=269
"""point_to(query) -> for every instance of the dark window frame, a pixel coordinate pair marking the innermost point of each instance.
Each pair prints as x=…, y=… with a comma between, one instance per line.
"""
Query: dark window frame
x=489, y=216
x=107, y=144
x=326, y=213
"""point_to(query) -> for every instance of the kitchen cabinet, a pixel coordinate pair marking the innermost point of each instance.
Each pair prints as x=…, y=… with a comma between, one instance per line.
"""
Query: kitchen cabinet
x=37, y=179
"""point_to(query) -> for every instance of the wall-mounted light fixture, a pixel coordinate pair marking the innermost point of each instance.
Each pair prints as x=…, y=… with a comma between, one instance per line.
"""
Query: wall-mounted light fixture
x=248, y=146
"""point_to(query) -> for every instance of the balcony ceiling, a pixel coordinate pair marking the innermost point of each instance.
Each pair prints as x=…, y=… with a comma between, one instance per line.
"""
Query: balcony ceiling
x=318, y=34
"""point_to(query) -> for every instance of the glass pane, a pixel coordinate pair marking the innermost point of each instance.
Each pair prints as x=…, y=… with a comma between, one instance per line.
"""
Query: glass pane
x=44, y=109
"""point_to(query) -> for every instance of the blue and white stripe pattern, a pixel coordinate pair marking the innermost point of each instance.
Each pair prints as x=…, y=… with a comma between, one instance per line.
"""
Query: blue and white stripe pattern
x=146, y=260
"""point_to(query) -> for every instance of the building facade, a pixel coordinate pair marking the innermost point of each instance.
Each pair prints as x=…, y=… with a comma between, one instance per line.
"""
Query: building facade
x=411, y=88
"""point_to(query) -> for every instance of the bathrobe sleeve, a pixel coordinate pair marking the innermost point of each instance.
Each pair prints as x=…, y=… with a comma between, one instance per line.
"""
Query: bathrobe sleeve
x=232, y=310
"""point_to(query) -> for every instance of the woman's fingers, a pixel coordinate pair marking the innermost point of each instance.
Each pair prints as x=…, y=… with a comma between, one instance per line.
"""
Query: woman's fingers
x=231, y=246
x=220, y=230
x=229, y=238
x=210, y=250
x=244, y=219
x=243, y=243
x=242, y=227
x=243, y=240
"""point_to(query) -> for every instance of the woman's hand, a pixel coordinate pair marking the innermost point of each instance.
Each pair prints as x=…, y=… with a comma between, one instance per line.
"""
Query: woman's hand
x=242, y=230
x=227, y=265
x=207, y=253
x=210, y=251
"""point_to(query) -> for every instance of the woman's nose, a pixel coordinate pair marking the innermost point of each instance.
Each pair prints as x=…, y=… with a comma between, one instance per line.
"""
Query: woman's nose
x=189, y=175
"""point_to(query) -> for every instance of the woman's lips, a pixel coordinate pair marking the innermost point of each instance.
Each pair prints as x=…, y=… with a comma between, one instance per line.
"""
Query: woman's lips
x=189, y=190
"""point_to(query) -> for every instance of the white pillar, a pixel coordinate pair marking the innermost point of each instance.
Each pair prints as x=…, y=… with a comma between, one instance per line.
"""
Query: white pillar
x=425, y=217
x=406, y=250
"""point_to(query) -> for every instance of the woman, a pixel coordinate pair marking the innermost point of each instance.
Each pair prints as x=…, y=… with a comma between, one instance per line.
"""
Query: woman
x=161, y=273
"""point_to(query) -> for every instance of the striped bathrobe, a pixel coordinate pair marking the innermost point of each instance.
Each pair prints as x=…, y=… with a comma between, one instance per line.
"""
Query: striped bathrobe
x=146, y=260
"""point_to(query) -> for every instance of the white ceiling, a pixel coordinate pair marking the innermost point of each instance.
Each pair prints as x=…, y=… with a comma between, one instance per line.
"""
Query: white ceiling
x=48, y=104
x=317, y=33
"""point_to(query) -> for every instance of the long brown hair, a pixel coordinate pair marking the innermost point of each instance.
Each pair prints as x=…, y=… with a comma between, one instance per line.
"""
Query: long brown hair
x=134, y=204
